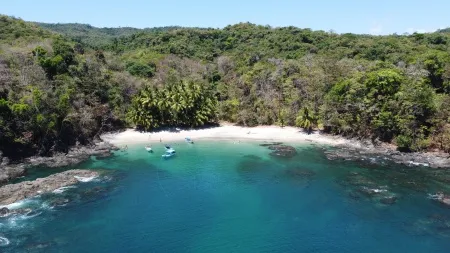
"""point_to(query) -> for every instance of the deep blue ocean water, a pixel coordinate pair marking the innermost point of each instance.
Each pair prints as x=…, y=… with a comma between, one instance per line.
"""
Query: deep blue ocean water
x=235, y=197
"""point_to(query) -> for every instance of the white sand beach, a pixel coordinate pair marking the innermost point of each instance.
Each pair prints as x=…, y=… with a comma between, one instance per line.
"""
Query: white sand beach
x=223, y=132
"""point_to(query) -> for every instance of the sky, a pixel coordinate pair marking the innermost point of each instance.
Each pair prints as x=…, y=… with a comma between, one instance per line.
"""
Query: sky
x=376, y=17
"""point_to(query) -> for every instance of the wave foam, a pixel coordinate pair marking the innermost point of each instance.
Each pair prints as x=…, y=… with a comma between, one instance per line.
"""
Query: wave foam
x=3, y=241
x=63, y=189
x=419, y=164
x=20, y=204
x=85, y=179
x=29, y=216
x=436, y=196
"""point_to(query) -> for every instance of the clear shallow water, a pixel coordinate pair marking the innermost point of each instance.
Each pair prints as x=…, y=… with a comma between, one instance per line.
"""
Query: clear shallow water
x=227, y=197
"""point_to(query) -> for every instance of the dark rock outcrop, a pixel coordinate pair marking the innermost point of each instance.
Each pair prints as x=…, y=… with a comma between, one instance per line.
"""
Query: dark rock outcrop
x=14, y=192
x=9, y=172
x=4, y=211
x=375, y=154
x=76, y=155
x=5, y=161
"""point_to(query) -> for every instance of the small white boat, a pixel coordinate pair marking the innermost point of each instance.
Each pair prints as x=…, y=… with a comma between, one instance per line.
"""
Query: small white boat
x=169, y=153
x=188, y=140
x=149, y=149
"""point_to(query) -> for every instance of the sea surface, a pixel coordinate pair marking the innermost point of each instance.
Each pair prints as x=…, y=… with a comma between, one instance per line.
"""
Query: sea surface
x=235, y=197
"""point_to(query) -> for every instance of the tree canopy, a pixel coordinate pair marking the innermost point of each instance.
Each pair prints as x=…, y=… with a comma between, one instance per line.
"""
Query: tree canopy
x=63, y=84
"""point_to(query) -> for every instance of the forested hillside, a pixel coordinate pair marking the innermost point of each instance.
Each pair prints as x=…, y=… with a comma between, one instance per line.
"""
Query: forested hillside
x=97, y=37
x=56, y=91
x=388, y=88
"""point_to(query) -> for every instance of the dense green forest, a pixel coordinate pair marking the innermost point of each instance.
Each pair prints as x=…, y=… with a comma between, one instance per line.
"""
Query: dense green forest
x=63, y=84
x=98, y=37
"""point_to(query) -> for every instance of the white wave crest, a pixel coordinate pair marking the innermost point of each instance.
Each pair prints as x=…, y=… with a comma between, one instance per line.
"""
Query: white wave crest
x=437, y=196
x=20, y=204
x=63, y=189
x=3, y=241
x=29, y=216
x=85, y=179
x=419, y=164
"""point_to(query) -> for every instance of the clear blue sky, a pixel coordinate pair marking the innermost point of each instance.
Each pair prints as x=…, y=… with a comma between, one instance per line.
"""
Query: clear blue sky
x=357, y=16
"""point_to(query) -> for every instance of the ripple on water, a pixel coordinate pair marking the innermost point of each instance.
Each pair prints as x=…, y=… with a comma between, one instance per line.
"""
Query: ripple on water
x=3, y=241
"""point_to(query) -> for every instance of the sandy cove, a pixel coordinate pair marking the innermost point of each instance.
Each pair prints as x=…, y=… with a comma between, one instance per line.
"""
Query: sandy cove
x=350, y=149
x=224, y=132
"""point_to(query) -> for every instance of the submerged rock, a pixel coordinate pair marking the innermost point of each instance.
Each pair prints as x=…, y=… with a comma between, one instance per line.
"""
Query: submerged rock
x=14, y=192
x=299, y=173
x=58, y=202
x=39, y=246
x=432, y=225
x=355, y=179
x=389, y=200
x=104, y=155
x=92, y=192
x=270, y=144
x=370, y=191
x=284, y=151
x=252, y=157
x=354, y=195
x=280, y=150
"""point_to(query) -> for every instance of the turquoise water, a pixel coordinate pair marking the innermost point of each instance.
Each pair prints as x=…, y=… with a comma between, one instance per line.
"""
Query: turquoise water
x=227, y=197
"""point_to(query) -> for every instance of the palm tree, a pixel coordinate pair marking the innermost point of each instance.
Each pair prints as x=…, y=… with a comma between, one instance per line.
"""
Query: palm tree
x=186, y=103
x=306, y=120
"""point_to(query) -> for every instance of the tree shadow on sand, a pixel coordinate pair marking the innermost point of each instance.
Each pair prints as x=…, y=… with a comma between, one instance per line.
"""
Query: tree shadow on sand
x=177, y=129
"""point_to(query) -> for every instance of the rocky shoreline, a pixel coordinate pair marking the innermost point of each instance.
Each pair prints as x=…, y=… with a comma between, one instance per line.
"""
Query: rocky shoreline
x=357, y=150
x=12, y=193
x=369, y=152
x=76, y=155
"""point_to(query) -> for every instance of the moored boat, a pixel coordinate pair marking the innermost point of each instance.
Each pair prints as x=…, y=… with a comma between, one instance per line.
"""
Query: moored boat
x=169, y=153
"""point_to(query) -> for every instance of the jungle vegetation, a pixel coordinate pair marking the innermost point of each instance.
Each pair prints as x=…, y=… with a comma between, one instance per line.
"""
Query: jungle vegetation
x=64, y=84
